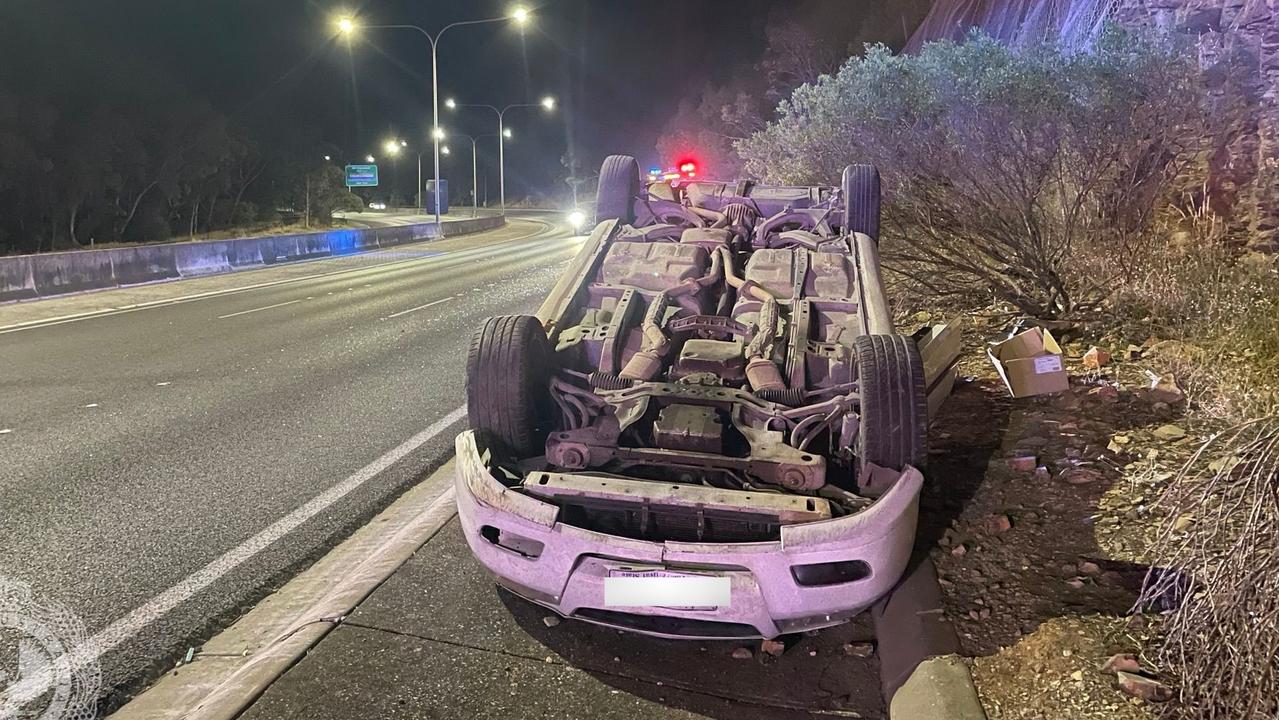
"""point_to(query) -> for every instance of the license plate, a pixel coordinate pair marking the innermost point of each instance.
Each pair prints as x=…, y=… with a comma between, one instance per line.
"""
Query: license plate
x=635, y=587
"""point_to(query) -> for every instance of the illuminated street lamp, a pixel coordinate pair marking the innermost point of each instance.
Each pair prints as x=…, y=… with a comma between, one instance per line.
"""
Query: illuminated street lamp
x=347, y=26
x=503, y=132
x=369, y=158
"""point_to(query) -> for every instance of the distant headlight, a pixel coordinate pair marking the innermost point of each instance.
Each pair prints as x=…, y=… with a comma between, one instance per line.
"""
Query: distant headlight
x=577, y=219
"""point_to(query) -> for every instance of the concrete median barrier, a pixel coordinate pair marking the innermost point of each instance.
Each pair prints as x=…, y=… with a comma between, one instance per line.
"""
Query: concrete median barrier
x=16, y=281
x=149, y=263
x=61, y=273
x=27, y=277
x=196, y=259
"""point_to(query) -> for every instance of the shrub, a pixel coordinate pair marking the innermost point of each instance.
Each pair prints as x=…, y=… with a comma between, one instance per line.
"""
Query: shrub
x=1222, y=535
x=1027, y=175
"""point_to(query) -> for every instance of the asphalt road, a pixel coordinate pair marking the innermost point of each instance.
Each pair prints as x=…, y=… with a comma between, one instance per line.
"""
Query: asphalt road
x=168, y=465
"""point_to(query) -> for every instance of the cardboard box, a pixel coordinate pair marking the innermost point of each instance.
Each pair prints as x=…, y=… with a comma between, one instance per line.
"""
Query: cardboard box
x=1030, y=363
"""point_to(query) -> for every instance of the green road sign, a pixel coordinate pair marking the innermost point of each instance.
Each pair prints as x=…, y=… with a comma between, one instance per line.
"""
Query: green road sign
x=361, y=175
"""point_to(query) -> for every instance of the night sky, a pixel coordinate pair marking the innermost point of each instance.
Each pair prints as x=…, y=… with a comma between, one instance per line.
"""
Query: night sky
x=617, y=67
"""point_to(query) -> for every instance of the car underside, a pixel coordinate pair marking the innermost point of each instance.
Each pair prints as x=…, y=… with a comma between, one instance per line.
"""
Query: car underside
x=717, y=371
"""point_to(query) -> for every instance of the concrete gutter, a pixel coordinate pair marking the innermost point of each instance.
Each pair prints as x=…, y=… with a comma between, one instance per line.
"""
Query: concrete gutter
x=30, y=277
x=922, y=676
x=940, y=688
x=234, y=668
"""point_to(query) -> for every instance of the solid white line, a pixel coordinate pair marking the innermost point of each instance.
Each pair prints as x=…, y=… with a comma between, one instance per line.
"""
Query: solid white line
x=268, y=307
x=130, y=625
x=419, y=307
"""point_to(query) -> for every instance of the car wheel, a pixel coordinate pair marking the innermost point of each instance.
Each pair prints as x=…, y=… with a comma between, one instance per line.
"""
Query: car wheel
x=894, y=403
x=861, y=200
x=507, y=395
x=618, y=188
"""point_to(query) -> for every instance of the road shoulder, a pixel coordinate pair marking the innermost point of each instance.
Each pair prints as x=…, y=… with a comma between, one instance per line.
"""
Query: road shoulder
x=236, y=666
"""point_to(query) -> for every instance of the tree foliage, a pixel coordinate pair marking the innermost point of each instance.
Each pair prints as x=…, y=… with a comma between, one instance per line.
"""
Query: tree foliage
x=1029, y=174
x=109, y=152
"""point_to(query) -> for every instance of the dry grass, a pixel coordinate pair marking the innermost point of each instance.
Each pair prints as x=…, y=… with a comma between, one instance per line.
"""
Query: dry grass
x=1222, y=537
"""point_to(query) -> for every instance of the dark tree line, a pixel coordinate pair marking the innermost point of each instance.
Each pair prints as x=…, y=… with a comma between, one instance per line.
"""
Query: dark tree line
x=93, y=150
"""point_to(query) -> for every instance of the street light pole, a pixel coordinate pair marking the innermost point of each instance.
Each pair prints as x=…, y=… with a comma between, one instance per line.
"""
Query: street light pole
x=347, y=26
x=547, y=103
x=475, y=174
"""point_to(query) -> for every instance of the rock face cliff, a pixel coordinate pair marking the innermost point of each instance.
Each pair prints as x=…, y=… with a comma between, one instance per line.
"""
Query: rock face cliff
x=1238, y=46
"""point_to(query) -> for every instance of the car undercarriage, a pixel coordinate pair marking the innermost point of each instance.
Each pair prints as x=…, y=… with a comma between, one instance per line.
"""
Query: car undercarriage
x=717, y=368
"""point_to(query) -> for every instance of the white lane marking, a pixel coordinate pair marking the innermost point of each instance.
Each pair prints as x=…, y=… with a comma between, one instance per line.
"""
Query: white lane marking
x=40, y=681
x=419, y=307
x=268, y=307
x=6, y=431
x=105, y=312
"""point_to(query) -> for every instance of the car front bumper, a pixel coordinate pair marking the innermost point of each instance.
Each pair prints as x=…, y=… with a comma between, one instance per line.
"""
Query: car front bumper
x=562, y=567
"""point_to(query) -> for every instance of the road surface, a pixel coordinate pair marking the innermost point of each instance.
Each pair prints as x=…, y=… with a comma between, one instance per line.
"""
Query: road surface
x=164, y=466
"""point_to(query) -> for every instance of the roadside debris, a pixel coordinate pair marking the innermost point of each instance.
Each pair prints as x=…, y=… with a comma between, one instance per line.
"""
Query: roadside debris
x=742, y=653
x=1096, y=358
x=551, y=621
x=1023, y=463
x=1030, y=363
x=1144, y=687
x=772, y=647
x=860, y=650
x=1121, y=662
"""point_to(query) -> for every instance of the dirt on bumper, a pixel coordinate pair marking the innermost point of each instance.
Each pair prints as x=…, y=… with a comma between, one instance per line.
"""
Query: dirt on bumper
x=520, y=540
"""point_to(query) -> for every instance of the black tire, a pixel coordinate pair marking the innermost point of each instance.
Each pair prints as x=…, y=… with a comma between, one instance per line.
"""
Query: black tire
x=894, y=402
x=619, y=186
x=861, y=200
x=507, y=397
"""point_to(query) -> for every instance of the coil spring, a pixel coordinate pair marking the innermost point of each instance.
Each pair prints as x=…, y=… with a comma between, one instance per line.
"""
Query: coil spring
x=608, y=381
x=793, y=397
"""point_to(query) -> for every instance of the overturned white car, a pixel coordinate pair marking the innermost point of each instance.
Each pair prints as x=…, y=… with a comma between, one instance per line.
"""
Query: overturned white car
x=710, y=429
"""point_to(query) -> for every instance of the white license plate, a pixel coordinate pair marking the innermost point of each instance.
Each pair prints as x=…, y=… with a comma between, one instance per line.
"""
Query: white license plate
x=666, y=589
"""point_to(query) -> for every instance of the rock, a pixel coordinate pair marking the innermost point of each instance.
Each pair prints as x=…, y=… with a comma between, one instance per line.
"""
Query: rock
x=1121, y=662
x=772, y=647
x=1077, y=675
x=551, y=620
x=1108, y=393
x=742, y=653
x=1144, y=688
x=1182, y=523
x=1133, y=352
x=1088, y=567
x=1081, y=476
x=923, y=316
x=860, y=650
x=1069, y=570
x=1096, y=358
x=1166, y=389
x=1023, y=463
x=997, y=524
x=959, y=550
x=1076, y=583
x=1170, y=432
